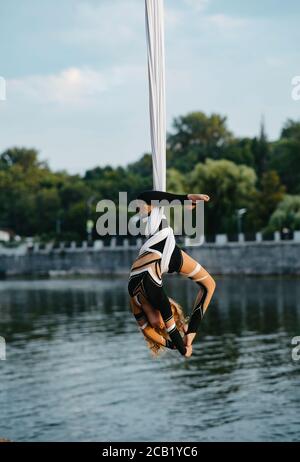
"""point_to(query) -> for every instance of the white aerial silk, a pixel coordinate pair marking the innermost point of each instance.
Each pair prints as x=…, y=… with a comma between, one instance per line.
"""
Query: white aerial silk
x=157, y=94
x=157, y=106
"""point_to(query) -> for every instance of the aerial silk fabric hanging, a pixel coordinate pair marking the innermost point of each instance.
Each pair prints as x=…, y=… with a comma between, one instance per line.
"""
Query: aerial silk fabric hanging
x=157, y=106
x=157, y=98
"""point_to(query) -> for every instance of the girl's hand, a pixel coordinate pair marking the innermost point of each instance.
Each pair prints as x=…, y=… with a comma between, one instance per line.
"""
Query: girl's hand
x=198, y=197
x=189, y=351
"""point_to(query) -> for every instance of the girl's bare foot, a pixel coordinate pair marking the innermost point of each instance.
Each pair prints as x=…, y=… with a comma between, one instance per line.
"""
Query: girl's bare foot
x=189, y=338
x=189, y=351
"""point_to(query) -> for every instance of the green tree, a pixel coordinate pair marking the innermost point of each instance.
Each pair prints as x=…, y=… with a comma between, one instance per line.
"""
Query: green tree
x=286, y=215
x=175, y=181
x=46, y=207
x=75, y=218
x=230, y=187
x=265, y=201
x=285, y=157
x=261, y=150
x=291, y=130
x=142, y=167
x=202, y=156
x=195, y=138
x=25, y=158
x=20, y=177
x=239, y=151
x=107, y=182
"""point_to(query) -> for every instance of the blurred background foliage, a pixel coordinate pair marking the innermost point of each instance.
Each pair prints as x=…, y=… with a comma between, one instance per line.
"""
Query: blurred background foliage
x=202, y=156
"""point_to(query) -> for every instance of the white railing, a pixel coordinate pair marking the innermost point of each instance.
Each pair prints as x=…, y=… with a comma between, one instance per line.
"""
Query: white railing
x=127, y=244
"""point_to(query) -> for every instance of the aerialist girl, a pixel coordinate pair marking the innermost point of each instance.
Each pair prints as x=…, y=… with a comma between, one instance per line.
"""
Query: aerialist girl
x=159, y=317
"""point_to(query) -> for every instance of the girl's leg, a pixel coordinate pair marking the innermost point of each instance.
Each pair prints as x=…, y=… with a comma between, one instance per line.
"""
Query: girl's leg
x=158, y=299
x=153, y=315
x=191, y=269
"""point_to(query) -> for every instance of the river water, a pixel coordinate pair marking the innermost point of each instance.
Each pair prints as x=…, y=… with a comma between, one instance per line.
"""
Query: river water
x=77, y=369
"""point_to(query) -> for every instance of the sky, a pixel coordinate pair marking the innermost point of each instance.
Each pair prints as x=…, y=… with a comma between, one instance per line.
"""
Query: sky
x=76, y=73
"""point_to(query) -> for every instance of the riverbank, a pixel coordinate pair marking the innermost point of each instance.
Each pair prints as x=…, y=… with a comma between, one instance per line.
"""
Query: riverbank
x=236, y=258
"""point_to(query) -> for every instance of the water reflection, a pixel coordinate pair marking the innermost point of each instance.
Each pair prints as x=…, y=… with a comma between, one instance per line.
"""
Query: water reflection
x=77, y=369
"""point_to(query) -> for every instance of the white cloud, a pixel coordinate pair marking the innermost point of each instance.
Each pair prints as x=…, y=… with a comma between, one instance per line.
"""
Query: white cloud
x=226, y=22
x=198, y=5
x=173, y=17
x=223, y=22
x=275, y=61
x=106, y=24
x=71, y=86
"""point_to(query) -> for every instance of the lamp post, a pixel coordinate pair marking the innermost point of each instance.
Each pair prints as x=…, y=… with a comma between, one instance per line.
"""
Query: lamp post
x=89, y=230
x=89, y=222
x=240, y=213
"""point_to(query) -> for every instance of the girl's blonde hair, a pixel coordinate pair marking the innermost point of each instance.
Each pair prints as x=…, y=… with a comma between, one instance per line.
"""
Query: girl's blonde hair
x=180, y=322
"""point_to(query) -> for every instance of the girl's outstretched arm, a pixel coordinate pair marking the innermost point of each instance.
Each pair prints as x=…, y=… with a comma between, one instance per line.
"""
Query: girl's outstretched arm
x=191, y=269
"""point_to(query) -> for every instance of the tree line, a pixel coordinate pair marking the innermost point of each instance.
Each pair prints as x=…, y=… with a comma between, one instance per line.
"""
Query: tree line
x=203, y=155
